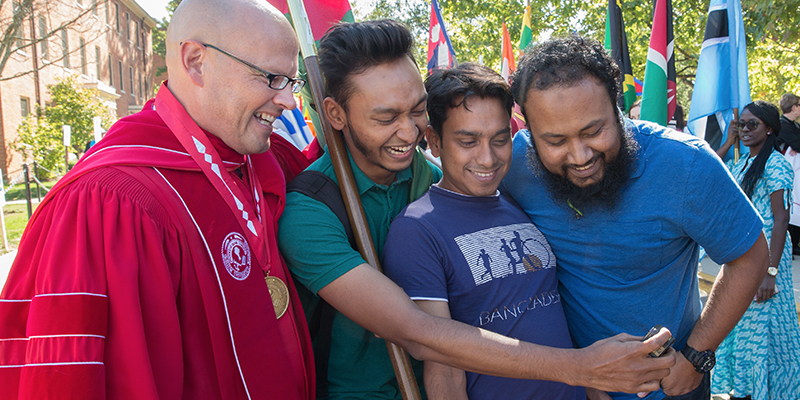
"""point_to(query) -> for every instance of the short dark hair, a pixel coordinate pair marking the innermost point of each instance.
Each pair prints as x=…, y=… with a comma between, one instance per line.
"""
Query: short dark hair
x=351, y=48
x=788, y=100
x=564, y=62
x=450, y=88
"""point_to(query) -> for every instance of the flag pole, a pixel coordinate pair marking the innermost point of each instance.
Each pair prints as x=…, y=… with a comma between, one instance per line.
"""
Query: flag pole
x=736, y=142
x=406, y=380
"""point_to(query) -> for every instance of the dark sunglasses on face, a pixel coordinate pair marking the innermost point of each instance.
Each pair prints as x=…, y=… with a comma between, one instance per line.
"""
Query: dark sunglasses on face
x=750, y=124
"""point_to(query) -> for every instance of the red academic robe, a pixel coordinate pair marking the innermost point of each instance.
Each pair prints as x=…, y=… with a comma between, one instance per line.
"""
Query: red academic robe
x=120, y=289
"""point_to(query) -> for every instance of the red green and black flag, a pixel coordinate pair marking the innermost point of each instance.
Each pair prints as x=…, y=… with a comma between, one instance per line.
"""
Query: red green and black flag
x=616, y=44
x=658, y=97
x=322, y=14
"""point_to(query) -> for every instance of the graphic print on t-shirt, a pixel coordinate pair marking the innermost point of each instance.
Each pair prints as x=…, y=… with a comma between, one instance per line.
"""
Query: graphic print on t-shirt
x=505, y=250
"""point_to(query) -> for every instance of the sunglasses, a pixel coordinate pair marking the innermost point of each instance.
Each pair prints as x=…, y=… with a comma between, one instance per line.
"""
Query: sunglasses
x=274, y=81
x=749, y=124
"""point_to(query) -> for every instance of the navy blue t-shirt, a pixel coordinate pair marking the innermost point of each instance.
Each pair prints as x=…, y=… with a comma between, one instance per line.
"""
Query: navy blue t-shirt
x=485, y=258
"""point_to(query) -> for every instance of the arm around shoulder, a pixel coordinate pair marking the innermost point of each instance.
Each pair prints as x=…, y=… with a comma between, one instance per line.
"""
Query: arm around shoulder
x=620, y=363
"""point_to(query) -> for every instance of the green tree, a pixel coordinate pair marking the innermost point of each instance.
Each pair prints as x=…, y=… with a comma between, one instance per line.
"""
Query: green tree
x=160, y=35
x=772, y=30
x=40, y=135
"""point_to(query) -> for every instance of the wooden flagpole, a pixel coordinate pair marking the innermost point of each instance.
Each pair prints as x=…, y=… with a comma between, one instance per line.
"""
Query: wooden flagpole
x=402, y=366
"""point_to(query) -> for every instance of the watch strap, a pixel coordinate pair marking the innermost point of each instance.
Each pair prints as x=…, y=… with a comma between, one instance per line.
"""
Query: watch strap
x=703, y=361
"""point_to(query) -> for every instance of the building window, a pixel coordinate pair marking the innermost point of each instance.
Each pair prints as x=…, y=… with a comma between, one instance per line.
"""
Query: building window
x=43, y=36
x=21, y=28
x=94, y=7
x=133, y=89
x=24, y=106
x=121, y=78
x=141, y=95
x=116, y=16
x=97, y=62
x=108, y=12
x=128, y=27
x=83, y=57
x=65, y=47
x=136, y=32
x=110, y=72
x=80, y=2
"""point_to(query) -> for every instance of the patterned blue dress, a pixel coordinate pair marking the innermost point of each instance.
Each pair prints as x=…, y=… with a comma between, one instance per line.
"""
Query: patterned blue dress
x=761, y=356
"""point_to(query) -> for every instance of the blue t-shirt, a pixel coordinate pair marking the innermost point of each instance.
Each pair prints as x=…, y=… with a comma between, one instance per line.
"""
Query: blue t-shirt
x=635, y=266
x=485, y=258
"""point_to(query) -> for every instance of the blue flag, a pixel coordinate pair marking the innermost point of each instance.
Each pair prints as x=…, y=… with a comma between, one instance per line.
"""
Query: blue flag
x=721, y=83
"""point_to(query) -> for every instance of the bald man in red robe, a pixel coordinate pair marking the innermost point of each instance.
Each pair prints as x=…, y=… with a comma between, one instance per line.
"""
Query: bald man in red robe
x=151, y=270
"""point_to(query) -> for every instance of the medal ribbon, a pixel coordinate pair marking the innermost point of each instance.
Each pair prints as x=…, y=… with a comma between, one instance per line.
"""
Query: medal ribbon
x=197, y=144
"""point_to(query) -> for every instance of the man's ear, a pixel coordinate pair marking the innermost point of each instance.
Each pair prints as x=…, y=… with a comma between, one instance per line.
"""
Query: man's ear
x=434, y=142
x=193, y=56
x=335, y=113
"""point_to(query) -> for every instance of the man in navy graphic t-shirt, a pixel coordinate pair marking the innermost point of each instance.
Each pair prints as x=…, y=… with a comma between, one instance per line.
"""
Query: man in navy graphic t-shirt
x=465, y=252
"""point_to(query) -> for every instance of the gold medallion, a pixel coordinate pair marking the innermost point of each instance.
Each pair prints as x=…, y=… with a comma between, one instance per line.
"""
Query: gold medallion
x=279, y=294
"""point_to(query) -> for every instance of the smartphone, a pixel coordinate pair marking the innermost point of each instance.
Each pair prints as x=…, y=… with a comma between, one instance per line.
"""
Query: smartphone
x=661, y=350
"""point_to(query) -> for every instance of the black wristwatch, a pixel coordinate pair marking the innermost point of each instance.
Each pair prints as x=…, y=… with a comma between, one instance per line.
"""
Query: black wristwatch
x=703, y=361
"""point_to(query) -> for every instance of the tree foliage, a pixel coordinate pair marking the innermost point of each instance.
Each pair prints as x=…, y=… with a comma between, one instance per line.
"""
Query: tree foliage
x=772, y=30
x=41, y=135
x=160, y=34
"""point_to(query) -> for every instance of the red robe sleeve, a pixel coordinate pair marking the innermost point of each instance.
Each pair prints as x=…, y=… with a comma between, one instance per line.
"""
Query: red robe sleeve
x=85, y=312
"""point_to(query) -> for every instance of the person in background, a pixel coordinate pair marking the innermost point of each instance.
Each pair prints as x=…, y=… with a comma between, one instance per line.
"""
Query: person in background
x=789, y=141
x=760, y=358
x=636, y=109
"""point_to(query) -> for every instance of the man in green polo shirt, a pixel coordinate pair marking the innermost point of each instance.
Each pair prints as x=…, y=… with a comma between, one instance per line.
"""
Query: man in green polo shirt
x=377, y=99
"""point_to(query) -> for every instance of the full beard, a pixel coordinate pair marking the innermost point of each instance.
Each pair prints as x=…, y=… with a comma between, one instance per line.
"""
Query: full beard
x=605, y=194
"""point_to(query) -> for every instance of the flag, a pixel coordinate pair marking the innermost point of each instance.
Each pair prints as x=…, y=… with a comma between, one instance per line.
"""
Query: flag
x=526, y=35
x=508, y=65
x=638, y=85
x=322, y=14
x=658, y=97
x=721, y=83
x=440, y=50
x=616, y=44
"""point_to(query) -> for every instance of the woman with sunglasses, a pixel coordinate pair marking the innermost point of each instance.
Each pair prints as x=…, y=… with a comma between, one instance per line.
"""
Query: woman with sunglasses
x=760, y=358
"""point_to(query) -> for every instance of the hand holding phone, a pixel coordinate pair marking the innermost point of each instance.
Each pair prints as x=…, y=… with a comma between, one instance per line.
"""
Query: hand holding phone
x=661, y=350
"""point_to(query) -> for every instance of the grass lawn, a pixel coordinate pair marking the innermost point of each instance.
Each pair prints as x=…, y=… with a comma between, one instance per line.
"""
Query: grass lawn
x=16, y=216
x=18, y=191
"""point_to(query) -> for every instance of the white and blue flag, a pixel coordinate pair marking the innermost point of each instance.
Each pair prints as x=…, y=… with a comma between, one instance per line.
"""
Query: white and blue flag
x=721, y=83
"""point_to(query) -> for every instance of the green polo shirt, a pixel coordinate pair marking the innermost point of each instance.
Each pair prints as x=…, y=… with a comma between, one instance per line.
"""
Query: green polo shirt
x=314, y=244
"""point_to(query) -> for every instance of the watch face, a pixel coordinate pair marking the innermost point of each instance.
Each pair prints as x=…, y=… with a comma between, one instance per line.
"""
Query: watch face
x=772, y=271
x=706, y=362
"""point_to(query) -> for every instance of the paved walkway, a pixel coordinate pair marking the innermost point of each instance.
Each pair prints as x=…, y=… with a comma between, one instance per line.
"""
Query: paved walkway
x=709, y=270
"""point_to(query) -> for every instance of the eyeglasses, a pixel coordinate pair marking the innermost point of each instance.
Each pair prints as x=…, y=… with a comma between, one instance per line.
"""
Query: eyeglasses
x=275, y=81
x=750, y=124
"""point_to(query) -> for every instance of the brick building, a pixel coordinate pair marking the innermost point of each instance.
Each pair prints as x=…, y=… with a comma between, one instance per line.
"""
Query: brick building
x=108, y=46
